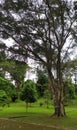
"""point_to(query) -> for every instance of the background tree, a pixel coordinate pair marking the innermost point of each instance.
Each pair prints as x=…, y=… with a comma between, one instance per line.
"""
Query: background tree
x=40, y=31
x=28, y=92
x=69, y=90
x=47, y=96
x=3, y=98
x=70, y=72
x=42, y=82
x=8, y=87
x=18, y=71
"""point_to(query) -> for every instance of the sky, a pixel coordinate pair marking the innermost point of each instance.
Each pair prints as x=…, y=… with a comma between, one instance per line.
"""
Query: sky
x=9, y=42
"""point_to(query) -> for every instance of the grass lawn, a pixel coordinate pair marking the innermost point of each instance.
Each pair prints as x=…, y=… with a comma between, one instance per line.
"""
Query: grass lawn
x=36, y=118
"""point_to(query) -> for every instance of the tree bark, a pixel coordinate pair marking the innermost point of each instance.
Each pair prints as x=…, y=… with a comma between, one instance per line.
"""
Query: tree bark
x=58, y=97
x=59, y=105
x=59, y=100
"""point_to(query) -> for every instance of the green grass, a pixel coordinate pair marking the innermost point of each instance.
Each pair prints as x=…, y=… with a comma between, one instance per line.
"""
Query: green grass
x=37, y=115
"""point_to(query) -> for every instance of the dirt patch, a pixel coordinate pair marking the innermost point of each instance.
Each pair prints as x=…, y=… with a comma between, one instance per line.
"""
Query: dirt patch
x=7, y=124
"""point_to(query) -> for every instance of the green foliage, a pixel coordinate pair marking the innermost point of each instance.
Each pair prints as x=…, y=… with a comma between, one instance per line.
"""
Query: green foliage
x=47, y=96
x=42, y=82
x=14, y=95
x=28, y=92
x=8, y=87
x=3, y=98
x=69, y=90
x=17, y=70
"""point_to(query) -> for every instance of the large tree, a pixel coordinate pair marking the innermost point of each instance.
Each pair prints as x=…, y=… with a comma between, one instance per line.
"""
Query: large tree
x=41, y=31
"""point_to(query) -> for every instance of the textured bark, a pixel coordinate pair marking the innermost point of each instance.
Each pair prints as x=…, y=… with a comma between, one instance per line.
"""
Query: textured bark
x=58, y=95
x=58, y=98
x=59, y=106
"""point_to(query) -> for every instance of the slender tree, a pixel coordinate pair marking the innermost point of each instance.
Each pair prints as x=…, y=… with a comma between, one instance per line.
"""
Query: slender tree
x=41, y=31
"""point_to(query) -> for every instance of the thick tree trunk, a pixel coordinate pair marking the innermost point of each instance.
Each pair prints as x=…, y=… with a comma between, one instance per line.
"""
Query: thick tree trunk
x=57, y=87
x=59, y=110
x=58, y=92
x=58, y=98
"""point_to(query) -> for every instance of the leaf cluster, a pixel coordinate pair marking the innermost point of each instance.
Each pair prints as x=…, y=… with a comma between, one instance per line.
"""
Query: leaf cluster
x=28, y=92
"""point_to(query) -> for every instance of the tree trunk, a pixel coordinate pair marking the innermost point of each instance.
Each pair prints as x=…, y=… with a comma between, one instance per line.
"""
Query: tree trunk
x=58, y=92
x=59, y=105
x=58, y=97
x=26, y=106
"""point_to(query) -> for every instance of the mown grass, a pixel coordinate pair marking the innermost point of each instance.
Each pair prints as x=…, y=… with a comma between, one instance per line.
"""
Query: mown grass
x=38, y=115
